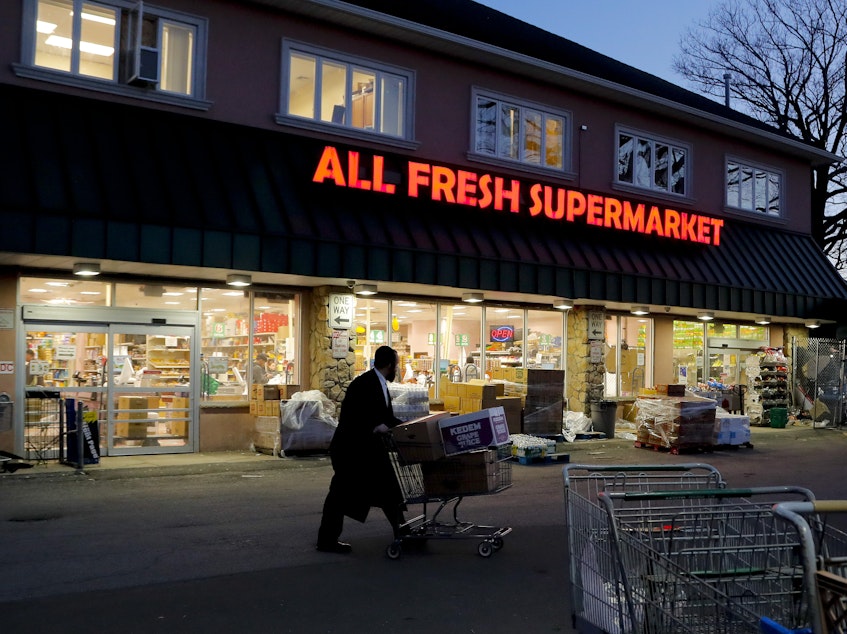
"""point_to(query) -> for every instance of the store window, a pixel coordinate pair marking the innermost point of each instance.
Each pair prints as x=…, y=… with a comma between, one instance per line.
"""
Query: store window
x=244, y=346
x=545, y=339
x=628, y=355
x=370, y=330
x=689, y=342
x=64, y=292
x=413, y=327
x=137, y=49
x=461, y=344
x=651, y=163
x=753, y=188
x=338, y=90
x=515, y=131
x=504, y=338
x=156, y=295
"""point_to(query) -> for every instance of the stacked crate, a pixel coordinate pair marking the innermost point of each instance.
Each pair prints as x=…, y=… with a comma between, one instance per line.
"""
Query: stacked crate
x=545, y=402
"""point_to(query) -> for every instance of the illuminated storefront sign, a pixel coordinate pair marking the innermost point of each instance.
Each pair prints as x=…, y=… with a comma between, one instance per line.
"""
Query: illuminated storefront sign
x=486, y=191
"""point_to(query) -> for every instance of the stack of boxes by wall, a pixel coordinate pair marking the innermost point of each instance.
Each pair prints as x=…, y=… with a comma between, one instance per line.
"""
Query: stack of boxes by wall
x=676, y=423
x=532, y=399
x=265, y=403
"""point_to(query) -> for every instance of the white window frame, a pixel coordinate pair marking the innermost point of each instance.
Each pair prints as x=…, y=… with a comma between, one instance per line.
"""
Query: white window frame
x=351, y=63
x=545, y=110
x=654, y=139
x=197, y=100
x=769, y=171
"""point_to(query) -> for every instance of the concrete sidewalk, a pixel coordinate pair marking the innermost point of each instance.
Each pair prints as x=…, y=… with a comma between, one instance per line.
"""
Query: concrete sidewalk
x=155, y=465
x=609, y=451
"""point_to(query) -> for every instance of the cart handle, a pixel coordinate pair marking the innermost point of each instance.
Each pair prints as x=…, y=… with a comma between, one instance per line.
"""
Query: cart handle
x=709, y=493
x=815, y=506
x=645, y=468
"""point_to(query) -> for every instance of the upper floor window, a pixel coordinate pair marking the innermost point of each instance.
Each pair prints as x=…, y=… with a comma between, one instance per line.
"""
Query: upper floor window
x=507, y=129
x=652, y=163
x=332, y=89
x=753, y=188
x=119, y=42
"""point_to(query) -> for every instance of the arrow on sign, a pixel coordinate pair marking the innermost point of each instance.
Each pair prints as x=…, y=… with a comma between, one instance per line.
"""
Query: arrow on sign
x=596, y=332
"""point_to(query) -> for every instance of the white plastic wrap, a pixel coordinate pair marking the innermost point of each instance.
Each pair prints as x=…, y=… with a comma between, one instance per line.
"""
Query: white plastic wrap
x=409, y=401
x=305, y=406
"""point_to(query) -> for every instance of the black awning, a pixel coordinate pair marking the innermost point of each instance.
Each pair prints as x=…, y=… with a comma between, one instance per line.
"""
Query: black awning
x=98, y=180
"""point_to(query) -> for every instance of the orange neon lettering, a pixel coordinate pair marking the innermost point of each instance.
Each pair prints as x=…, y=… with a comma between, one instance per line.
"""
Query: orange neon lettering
x=443, y=181
x=654, y=222
x=466, y=188
x=329, y=167
x=576, y=204
x=418, y=177
x=512, y=194
x=703, y=228
x=688, y=227
x=353, y=172
x=379, y=177
x=671, y=224
x=612, y=213
x=595, y=209
x=535, y=196
x=485, y=188
x=633, y=219
x=716, y=231
x=557, y=212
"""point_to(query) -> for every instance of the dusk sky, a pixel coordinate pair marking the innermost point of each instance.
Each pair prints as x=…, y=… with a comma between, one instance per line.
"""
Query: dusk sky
x=644, y=34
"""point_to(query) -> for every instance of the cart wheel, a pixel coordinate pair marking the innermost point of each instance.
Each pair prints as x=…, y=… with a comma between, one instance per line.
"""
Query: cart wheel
x=497, y=543
x=394, y=550
x=485, y=549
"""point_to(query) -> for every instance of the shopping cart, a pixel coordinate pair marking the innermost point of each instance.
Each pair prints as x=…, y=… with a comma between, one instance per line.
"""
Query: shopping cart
x=599, y=600
x=440, y=486
x=728, y=541
x=824, y=557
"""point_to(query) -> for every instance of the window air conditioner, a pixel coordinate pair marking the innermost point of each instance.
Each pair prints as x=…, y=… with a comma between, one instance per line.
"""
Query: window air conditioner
x=145, y=66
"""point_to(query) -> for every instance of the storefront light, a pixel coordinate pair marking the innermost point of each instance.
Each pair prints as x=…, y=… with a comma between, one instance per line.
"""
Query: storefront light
x=563, y=304
x=813, y=324
x=86, y=269
x=763, y=321
x=706, y=316
x=473, y=298
x=365, y=289
x=238, y=279
x=640, y=310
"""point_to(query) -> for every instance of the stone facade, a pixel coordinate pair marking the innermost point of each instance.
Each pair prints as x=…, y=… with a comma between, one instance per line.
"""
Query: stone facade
x=330, y=376
x=585, y=380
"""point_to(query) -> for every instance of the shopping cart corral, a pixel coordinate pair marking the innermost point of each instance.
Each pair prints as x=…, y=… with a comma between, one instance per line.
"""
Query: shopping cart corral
x=439, y=486
x=653, y=551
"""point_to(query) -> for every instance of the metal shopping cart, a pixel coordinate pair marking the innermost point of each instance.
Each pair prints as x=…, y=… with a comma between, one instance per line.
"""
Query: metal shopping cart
x=440, y=486
x=728, y=541
x=824, y=556
x=599, y=600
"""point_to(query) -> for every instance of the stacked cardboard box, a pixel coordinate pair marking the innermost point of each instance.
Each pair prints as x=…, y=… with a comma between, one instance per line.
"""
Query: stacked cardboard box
x=732, y=429
x=545, y=402
x=676, y=422
x=139, y=408
x=477, y=394
x=474, y=472
x=266, y=437
x=264, y=399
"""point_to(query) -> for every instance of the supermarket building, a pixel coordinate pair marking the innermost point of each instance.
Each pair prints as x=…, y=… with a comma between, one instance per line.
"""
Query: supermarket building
x=184, y=191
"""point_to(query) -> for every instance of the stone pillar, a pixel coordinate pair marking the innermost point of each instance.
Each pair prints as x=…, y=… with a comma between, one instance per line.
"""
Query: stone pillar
x=330, y=376
x=583, y=377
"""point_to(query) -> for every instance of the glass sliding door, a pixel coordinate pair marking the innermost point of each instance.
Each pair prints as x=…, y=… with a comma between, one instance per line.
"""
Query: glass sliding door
x=150, y=371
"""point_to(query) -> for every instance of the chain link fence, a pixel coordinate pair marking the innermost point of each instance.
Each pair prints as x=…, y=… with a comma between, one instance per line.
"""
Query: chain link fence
x=817, y=377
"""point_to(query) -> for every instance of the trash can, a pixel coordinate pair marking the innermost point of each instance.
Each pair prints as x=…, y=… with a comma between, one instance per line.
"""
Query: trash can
x=603, y=416
x=778, y=416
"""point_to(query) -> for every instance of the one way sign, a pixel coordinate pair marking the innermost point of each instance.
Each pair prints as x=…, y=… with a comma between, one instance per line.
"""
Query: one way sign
x=340, y=310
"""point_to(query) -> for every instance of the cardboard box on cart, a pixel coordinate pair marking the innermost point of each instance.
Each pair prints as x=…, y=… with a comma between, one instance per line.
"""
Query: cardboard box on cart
x=477, y=430
x=419, y=440
x=473, y=472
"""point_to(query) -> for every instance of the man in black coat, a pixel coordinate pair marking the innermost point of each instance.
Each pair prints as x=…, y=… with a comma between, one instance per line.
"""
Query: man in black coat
x=363, y=474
